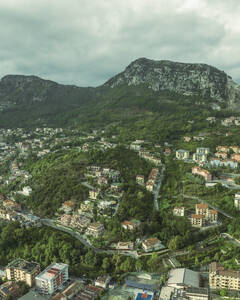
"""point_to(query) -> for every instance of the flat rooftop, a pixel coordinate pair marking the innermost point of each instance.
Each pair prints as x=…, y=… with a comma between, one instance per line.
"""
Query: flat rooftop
x=23, y=265
x=51, y=271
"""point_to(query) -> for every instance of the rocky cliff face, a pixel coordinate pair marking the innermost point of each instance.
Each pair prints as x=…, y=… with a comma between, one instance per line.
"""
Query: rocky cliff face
x=183, y=78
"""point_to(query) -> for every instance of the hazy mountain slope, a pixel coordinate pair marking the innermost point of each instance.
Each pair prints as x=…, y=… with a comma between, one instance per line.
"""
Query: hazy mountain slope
x=183, y=78
x=146, y=87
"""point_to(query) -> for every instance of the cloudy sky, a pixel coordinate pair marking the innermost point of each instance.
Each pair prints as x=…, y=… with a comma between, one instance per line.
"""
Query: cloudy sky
x=85, y=42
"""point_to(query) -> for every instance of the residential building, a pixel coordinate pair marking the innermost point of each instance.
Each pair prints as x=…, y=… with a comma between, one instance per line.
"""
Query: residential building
x=212, y=215
x=219, y=278
x=182, y=154
x=202, y=209
x=223, y=149
x=95, y=229
x=202, y=150
x=235, y=157
x=202, y=172
x=211, y=119
x=93, y=194
x=52, y=278
x=187, y=138
x=200, y=157
x=236, y=149
x=140, y=179
x=130, y=225
x=9, y=289
x=178, y=211
x=197, y=220
x=125, y=246
x=22, y=270
x=66, y=219
x=237, y=201
x=103, y=281
x=149, y=186
x=222, y=155
x=102, y=181
x=152, y=244
x=68, y=206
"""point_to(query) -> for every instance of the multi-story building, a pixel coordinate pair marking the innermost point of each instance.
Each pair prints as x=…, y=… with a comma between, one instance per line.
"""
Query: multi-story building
x=152, y=244
x=202, y=150
x=202, y=209
x=200, y=157
x=179, y=211
x=95, y=229
x=212, y=215
x=201, y=172
x=182, y=154
x=22, y=270
x=93, y=194
x=197, y=220
x=140, y=179
x=52, y=278
x=237, y=201
x=219, y=278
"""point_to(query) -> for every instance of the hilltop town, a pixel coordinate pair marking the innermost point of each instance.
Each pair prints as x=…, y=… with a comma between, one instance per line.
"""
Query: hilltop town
x=165, y=213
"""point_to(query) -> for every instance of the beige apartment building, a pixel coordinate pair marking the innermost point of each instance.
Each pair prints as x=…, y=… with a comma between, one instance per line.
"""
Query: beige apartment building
x=197, y=220
x=22, y=270
x=219, y=278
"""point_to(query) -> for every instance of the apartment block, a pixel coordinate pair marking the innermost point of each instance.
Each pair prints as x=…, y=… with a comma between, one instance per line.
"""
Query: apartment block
x=52, y=278
x=22, y=270
x=182, y=154
x=219, y=278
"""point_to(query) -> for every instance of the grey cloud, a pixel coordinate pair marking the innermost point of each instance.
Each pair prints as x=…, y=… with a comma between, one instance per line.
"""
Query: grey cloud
x=86, y=42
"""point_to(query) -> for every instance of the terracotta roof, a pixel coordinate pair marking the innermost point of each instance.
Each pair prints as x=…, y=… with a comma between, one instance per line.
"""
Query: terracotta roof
x=197, y=216
x=151, y=241
x=201, y=206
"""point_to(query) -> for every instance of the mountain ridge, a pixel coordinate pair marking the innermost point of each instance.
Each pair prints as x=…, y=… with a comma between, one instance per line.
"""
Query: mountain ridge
x=186, y=78
x=142, y=89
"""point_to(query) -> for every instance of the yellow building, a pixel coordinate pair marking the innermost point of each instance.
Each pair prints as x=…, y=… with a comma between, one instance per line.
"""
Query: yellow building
x=219, y=278
x=22, y=270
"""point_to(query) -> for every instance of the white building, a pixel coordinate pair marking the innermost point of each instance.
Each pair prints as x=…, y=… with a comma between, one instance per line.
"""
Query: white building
x=52, y=278
x=179, y=211
x=181, y=278
x=237, y=201
x=182, y=154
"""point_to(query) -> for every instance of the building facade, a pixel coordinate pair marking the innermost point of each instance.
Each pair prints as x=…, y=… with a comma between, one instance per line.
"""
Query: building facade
x=22, y=270
x=219, y=278
x=52, y=278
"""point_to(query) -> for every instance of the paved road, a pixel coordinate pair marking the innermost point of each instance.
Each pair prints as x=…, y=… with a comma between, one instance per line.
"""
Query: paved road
x=156, y=194
x=210, y=205
x=85, y=242
x=88, y=185
x=231, y=238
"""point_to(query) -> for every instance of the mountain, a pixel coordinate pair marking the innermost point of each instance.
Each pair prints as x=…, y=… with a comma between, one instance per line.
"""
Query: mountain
x=145, y=90
x=182, y=78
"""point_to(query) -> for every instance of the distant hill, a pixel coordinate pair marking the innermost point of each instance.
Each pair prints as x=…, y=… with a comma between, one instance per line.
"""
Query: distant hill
x=145, y=90
x=184, y=78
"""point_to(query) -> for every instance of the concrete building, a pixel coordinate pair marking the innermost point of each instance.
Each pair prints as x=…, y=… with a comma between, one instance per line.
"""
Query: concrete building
x=182, y=154
x=202, y=209
x=152, y=244
x=52, y=278
x=201, y=172
x=219, y=278
x=22, y=270
x=179, y=211
x=182, y=278
x=197, y=220
x=95, y=229
x=201, y=150
x=200, y=157
x=237, y=201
